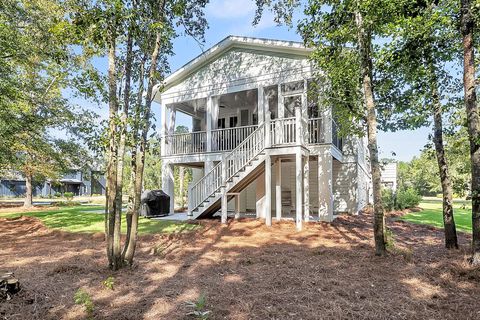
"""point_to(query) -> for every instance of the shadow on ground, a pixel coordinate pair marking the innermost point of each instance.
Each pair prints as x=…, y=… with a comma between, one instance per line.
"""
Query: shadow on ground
x=245, y=271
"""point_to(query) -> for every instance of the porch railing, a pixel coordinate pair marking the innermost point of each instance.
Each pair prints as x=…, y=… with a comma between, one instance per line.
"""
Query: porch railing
x=283, y=131
x=315, y=131
x=230, y=138
x=186, y=143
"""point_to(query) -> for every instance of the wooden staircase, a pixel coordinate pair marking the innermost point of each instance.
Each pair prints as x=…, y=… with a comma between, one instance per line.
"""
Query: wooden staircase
x=235, y=172
x=245, y=163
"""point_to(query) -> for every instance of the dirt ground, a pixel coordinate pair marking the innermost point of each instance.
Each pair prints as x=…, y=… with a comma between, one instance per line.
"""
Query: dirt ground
x=245, y=271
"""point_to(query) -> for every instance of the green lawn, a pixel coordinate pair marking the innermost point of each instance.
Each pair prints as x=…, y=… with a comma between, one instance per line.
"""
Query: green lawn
x=89, y=219
x=432, y=215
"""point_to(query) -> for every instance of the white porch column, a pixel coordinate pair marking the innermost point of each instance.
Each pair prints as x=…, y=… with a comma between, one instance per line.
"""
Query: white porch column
x=211, y=120
x=298, y=184
x=306, y=188
x=260, y=105
x=325, y=185
x=268, y=189
x=168, y=183
x=298, y=126
x=305, y=112
x=172, y=116
x=278, y=189
x=224, y=205
x=163, y=129
x=237, y=206
x=327, y=125
x=280, y=106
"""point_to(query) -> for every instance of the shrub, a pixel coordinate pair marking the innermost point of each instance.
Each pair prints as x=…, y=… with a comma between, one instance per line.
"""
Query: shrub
x=407, y=198
x=199, y=308
x=109, y=283
x=68, y=203
x=68, y=195
x=403, y=199
x=82, y=297
x=57, y=195
x=388, y=199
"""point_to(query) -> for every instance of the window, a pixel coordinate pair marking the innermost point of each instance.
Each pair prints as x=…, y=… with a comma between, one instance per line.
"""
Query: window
x=221, y=123
x=292, y=88
x=244, y=117
x=233, y=122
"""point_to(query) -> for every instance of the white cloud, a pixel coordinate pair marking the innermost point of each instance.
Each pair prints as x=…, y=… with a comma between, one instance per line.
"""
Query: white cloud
x=228, y=9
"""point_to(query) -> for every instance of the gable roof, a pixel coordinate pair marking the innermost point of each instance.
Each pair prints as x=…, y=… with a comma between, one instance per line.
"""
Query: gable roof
x=269, y=45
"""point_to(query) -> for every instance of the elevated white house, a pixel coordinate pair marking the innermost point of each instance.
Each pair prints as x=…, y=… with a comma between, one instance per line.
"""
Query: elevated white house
x=259, y=145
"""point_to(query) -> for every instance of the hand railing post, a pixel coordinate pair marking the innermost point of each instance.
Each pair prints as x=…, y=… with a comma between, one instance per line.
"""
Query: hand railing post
x=267, y=129
x=190, y=201
x=298, y=126
x=224, y=170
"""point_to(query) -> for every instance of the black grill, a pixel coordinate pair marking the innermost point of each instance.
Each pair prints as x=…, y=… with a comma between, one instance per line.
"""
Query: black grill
x=155, y=203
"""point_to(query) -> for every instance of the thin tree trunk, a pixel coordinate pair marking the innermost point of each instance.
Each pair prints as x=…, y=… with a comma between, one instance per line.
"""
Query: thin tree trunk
x=130, y=251
x=114, y=223
x=133, y=200
x=473, y=119
x=448, y=219
x=364, y=42
x=121, y=149
x=123, y=132
x=28, y=191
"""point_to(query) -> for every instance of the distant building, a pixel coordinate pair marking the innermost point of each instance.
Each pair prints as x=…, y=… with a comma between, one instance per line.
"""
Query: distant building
x=79, y=182
x=389, y=176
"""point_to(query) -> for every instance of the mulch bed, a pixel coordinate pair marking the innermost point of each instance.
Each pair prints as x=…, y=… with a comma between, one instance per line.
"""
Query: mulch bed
x=245, y=271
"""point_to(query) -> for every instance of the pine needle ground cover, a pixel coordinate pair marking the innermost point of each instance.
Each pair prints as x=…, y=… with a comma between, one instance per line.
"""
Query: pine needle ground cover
x=431, y=214
x=90, y=219
x=242, y=270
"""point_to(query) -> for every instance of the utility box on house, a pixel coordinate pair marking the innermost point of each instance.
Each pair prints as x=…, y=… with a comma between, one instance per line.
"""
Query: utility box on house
x=155, y=203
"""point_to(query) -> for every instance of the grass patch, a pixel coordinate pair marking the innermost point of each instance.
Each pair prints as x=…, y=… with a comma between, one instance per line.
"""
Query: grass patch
x=431, y=214
x=90, y=219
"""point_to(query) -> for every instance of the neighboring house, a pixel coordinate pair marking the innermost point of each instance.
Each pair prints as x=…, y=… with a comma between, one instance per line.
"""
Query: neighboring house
x=389, y=176
x=79, y=182
x=259, y=144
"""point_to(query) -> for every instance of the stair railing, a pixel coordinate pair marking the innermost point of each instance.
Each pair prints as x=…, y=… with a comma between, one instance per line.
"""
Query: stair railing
x=231, y=164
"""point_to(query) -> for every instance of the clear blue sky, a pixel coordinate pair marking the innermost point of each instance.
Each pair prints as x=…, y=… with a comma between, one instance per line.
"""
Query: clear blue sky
x=234, y=17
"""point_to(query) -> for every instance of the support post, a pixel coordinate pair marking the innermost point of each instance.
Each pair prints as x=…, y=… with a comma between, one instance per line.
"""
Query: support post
x=163, y=130
x=168, y=183
x=260, y=105
x=325, y=185
x=306, y=188
x=209, y=122
x=268, y=133
x=298, y=184
x=280, y=106
x=171, y=124
x=224, y=190
x=298, y=126
x=278, y=190
x=268, y=189
x=237, y=206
